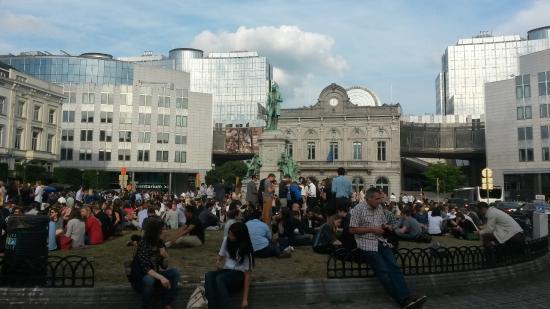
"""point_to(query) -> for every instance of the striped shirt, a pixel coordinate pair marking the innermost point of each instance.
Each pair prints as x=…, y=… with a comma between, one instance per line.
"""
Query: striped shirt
x=362, y=215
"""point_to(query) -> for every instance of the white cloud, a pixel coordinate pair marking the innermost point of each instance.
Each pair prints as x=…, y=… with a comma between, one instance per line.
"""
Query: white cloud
x=296, y=55
x=529, y=18
x=27, y=25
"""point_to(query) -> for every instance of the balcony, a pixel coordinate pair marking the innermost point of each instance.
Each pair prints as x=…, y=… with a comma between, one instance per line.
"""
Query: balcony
x=32, y=155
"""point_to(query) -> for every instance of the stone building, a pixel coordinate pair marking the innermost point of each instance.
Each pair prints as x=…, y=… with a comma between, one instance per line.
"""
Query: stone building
x=356, y=133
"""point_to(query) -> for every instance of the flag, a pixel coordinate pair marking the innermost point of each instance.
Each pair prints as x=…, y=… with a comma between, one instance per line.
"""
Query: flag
x=330, y=157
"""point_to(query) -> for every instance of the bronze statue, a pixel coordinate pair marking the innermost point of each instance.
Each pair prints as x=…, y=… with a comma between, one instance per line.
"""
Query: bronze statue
x=274, y=100
x=253, y=166
x=288, y=166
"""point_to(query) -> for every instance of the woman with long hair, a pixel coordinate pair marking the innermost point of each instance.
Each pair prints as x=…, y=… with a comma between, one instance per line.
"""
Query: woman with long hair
x=150, y=275
x=326, y=240
x=235, y=262
x=76, y=229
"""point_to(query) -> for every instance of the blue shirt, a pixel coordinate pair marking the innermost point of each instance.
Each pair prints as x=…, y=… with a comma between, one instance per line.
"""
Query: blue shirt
x=341, y=187
x=260, y=234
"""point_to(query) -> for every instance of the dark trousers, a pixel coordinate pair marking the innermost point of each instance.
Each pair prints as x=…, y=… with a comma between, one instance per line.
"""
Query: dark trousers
x=151, y=287
x=272, y=250
x=388, y=272
x=219, y=283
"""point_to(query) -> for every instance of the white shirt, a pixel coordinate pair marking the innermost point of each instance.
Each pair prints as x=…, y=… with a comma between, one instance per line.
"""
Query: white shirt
x=312, y=190
x=393, y=198
x=233, y=263
x=501, y=225
x=38, y=194
x=434, y=224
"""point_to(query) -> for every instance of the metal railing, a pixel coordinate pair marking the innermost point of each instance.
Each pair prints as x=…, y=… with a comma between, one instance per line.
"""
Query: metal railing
x=437, y=260
x=68, y=271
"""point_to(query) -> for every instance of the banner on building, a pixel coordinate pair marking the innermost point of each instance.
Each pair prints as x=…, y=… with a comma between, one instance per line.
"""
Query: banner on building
x=242, y=140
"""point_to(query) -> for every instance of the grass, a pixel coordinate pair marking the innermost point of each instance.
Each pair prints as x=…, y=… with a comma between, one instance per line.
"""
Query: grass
x=194, y=262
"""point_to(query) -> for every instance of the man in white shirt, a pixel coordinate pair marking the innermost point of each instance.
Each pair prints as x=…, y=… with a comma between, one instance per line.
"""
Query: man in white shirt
x=311, y=194
x=500, y=227
x=38, y=192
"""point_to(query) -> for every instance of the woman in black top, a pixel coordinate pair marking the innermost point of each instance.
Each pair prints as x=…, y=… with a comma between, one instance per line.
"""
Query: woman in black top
x=150, y=275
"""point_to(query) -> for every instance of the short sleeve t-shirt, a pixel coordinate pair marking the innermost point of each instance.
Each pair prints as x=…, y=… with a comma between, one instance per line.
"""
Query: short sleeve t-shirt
x=198, y=230
x=233, y=264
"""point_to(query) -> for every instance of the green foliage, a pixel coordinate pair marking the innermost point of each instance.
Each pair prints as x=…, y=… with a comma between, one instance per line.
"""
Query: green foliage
x=450, y=177
x=228, y=171
x=32, y=173
x=67, y=175
x=97, y=179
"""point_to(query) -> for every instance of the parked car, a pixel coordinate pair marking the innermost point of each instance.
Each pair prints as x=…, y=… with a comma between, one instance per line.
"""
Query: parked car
x=508, y=207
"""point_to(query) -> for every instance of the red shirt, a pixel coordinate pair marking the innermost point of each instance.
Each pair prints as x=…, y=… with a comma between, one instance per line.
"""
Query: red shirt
x=93, y=230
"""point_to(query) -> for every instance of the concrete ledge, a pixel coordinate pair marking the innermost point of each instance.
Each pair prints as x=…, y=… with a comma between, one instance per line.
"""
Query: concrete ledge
x=276, y=293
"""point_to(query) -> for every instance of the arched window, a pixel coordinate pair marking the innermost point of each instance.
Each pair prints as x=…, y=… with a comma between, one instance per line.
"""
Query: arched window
x=357, y=183
x=384, y=184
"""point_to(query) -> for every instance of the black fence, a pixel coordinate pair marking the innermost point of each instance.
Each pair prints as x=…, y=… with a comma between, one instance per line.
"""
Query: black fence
x=437, y=259
x=68, y=271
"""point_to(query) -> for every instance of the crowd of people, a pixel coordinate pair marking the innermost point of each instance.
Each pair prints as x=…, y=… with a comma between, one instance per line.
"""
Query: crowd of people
x=326, y=216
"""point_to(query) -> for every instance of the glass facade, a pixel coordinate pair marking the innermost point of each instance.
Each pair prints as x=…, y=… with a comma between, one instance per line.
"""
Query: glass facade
x=471, y=63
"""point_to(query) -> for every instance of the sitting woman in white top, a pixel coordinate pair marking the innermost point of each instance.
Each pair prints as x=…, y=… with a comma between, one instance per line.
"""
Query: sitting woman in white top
x=234, y=263
x=434, y=222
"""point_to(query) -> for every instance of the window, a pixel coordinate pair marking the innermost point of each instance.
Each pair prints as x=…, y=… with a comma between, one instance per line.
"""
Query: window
x=1, y=136
x=36, y=113
x=107, y=98
x=35, y=140
x=180, y=157
x=125, y=136
x=88, y=98
x=144, y=137
x=20, y=109
x=163, y=120
x=104, y=155
x=181, y=139
x=85, y=155
x=289, y=150
x=544, y=83
x=68, y=116
x=125, y=118
x=383, y=183
x=71, y=97
x=544, y=111
x=67, y=135
x=18, y=138
x=524, y=112
x=106, y=117
x=49, y=143
x=163, y=138
x=182, y=103
x=357, y=151
x=545, y=153
x=381, y=151
x=333, y=150
x=526, y=155
x=87, y=117
x=545, y=132
x=86, y=135
x=143, y=155
x=162, y=156
x=181, y=121
x=525, y=134
x=66, y=154
x=2, y=105
x=51, y=116
x=311, y=151
x=144, y=119
x=523, y=86
x=124, y=154
x=105, y=136
x=144, y=100
x=358, y=183
x=125, y=99
x=164, y=101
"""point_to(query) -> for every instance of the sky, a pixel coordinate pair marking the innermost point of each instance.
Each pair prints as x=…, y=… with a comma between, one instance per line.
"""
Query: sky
x=391, y=47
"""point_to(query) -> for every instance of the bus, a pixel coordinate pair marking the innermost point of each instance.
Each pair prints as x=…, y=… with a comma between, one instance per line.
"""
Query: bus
x=474, y=195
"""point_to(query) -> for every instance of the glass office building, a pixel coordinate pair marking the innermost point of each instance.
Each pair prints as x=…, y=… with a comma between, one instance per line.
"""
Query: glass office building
x=238, y=81
x=468, y=65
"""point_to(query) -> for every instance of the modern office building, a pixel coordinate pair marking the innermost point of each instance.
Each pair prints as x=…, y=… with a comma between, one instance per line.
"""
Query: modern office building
x=468, y=65
x=30, y=118
x=238, y=81
x=363, y=137
x=119, y=114
x=518, y=128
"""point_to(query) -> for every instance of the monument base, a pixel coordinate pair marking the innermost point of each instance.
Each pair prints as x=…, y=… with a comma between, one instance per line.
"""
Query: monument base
x=272, y=146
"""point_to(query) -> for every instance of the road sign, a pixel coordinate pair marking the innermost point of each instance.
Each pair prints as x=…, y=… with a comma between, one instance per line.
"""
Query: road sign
x=487, y=173
x=487, y=179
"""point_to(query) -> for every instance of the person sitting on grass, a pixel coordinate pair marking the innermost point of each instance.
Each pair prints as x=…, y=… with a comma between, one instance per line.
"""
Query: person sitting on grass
x=149, y=273
x=326, y=241
x=435, y=220
x=291, y=230
x=409, y=228
x=261, y=237
x=463, y=226
x=192, y=233
x=94, y=234
x=234, y=267
x=76, y=229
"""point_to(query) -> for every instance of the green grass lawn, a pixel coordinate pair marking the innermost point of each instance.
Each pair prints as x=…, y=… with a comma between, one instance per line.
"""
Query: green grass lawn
x=194, y=262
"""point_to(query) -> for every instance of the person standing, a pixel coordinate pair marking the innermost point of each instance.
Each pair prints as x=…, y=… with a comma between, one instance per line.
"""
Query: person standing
x=252, y=192
x=341, y=188
x=219, y=190
x=283, y=190
x=267, y=194
x=311, y=193
x=368, y=224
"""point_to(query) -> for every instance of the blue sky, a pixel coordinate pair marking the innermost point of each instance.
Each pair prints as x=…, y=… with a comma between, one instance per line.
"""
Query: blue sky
x=377, y=44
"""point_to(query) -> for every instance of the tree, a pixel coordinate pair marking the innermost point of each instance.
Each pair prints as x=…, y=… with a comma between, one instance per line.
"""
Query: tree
x=67, y=175
x=450, y=177
x=228, y=171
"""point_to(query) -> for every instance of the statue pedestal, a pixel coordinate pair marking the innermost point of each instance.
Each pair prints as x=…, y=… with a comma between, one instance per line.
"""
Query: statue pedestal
x=272, y=146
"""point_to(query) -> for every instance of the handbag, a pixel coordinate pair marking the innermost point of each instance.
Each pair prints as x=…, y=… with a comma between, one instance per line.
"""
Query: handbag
x=197, y=299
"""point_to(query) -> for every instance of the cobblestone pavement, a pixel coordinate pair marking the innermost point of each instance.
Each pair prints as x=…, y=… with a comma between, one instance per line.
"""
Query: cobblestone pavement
x=532, y=292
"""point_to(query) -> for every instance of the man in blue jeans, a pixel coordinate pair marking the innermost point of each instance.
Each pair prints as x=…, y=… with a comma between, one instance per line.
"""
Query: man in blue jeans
x=368, y=224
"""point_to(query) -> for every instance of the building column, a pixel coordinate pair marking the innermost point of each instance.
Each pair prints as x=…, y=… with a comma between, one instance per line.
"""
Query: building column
x=539, y=184
x=170, y=183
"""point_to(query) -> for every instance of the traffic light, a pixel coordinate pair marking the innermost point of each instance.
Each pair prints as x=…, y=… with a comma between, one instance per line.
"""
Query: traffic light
x=487, y=179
